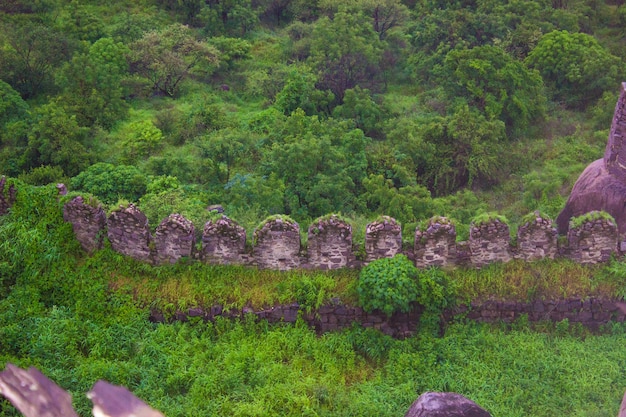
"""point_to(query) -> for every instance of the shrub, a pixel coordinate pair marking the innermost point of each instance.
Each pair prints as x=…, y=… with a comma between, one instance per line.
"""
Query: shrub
x=388, y=285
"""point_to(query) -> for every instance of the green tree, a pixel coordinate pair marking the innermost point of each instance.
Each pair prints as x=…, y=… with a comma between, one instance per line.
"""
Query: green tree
x=92, y=83
x=111, y=183
x=228, y=17
x=299, y=92
x=222, y=150
x=169, y=56
x=406, y=204
x=575, y=67
x=249, y=191
x=492, y=81
x=57, y=139
x=359, y=107
x=12, y=107
x=466, y=149
x=29, y=55
x=80, y=21
x=321, y=164
x=346, y=51
x=140, y=139
x=388, y=285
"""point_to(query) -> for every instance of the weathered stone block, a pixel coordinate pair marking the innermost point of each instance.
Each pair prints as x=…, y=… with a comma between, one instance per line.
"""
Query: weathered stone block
x=129, y=233
x=436, y=245
x=174, y=239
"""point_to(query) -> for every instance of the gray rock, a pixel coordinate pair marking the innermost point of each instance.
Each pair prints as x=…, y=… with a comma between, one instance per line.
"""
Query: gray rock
x=445, y=404
x=602, y=185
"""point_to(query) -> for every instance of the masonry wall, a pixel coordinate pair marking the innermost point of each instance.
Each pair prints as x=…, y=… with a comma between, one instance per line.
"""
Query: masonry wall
x=592, y=242
x=537, y=239
x=489, y=242
x=88, y=222
x=277, y=243
x=435, y=246
x=330, y=244
x=383, y=239
x=174, y=238
x=589, y=312
x=129, y=233
x=223, y=242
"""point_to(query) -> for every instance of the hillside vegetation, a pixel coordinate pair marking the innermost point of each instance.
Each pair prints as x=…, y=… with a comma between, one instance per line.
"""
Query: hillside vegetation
x=409, y=109
x=365, y=107
x=82, y=318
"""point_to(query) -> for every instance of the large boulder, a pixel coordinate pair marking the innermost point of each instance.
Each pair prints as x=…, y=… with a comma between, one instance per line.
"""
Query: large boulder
x=595, y=190
x=602, y=185
x=445, y=404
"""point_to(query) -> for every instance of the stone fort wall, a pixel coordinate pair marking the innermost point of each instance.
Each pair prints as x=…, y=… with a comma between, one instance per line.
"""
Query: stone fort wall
x=277, y=243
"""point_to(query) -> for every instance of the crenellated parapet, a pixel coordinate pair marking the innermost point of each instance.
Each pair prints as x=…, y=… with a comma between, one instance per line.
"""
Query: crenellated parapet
x=88, y=222
x=277, y=242
x=223, y=241
x=537, y=238
x=436, y=244
x=592, y=238
x=489, y=241
x=330, y=243
x=383, y=239
x=129, y=233
x=174, y=238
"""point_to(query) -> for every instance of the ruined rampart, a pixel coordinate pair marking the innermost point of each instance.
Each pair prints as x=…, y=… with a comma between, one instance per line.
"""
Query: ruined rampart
x=277, y=242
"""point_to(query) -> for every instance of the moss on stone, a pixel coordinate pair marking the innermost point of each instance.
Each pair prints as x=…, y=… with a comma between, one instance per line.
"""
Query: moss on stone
x=576, y=222
x=489, y=217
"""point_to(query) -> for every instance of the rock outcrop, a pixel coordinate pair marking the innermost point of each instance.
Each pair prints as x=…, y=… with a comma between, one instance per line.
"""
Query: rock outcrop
x=445, y=404
x=602, y=185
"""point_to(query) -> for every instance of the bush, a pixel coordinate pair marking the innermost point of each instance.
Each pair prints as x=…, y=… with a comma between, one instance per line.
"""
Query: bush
x=388, y=285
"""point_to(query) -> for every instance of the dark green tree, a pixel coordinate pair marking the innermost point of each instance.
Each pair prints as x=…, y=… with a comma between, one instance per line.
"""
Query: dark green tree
x=111, y=183
x=29, y=55
x=57, y=139
x=321, y=163
x=228, y=17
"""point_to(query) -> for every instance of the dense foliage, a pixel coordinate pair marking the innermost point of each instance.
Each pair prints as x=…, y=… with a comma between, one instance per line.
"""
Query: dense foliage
x=80, y=319
x=364, y=107
x=304, y=108
x=388, y=285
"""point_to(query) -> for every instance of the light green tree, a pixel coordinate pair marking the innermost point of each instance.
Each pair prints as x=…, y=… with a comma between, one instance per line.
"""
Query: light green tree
x=495, y=83
x=346, y=52
x=57, y=139
x=92, y=83
x=168, y=56
x=575, y=67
